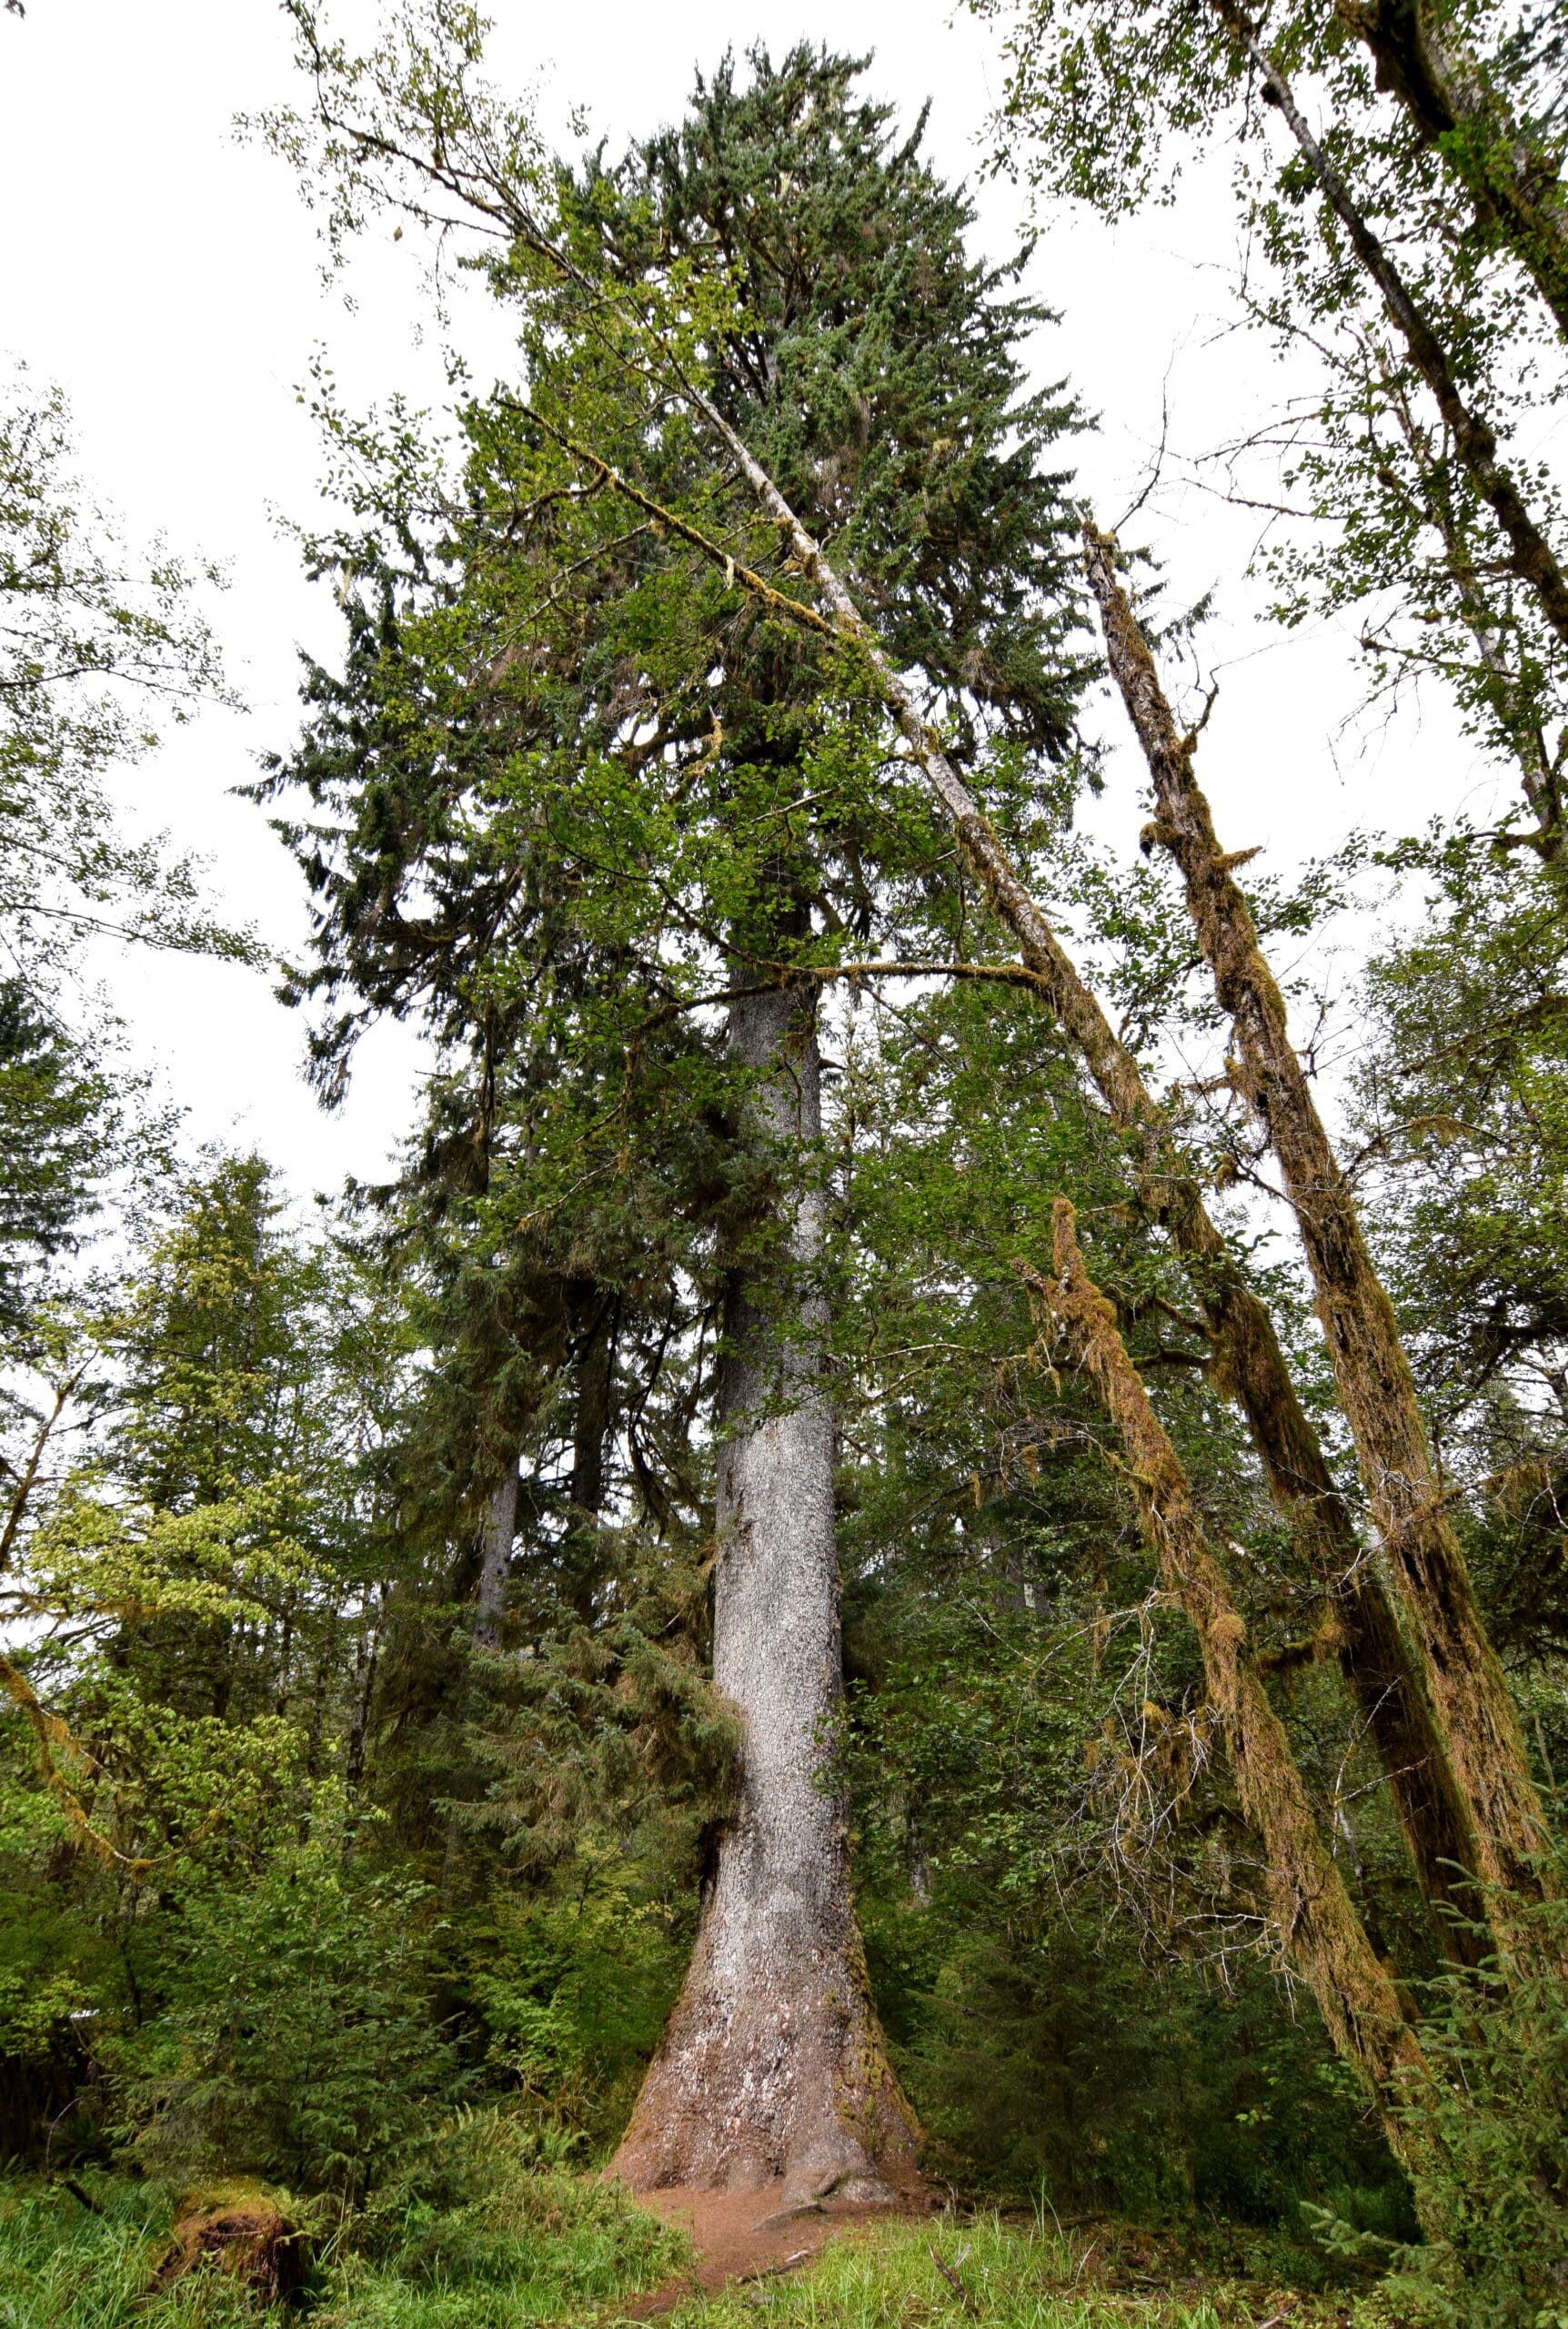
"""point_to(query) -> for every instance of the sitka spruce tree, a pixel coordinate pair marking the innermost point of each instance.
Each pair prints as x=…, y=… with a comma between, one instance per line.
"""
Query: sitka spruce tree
x=777, y=863
x=612, y=823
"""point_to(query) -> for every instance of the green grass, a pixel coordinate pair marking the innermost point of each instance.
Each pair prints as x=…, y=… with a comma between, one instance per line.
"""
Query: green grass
x=61, y=2265
x=1013, y=2277
x=535, y=2249
x=553, y=2248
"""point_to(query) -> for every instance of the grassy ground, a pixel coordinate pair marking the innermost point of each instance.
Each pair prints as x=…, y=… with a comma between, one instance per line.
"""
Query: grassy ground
x=557, y=2249
x=888, y=2276
x=541, y=2248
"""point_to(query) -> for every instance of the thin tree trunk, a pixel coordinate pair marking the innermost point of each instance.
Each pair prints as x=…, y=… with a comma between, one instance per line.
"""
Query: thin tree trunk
x=496, y=1540
x=366, y=1657
x=1376, y=1388
x=498, y=1532
x=1474, y=440
x=1320, y=1933
x=590, y=1426
x=772, y=2066
x=1432, y=1810
x=1512, y=180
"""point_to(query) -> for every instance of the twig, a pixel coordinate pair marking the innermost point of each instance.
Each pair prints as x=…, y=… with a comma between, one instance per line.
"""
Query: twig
x=955, y=2283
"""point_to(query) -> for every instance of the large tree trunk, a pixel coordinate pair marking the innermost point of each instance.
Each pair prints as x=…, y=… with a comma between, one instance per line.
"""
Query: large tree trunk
x=591, y=1423
x=1319, y=1932
x=1372, y=1372
x=1432, y=1810
x=496, y=1535
x=772, y=2066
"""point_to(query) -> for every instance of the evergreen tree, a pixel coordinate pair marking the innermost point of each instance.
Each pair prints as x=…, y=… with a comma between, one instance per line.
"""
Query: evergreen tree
x=634, y=712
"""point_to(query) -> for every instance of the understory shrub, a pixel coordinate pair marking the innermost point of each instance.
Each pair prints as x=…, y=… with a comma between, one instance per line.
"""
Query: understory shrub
x=298, y=2043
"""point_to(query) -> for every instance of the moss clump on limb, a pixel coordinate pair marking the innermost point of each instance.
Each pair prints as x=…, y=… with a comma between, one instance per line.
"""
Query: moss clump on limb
x=1318, y=1931
x=1463, y=1674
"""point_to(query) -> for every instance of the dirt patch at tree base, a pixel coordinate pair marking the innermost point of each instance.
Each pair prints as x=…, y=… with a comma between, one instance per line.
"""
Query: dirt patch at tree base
x=747, y=2236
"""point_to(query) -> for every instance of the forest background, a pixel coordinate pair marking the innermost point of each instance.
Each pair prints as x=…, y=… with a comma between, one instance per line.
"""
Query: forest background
x=262, y=1586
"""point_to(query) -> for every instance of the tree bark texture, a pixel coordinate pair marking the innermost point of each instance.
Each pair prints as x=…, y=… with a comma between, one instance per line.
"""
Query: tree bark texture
x=1319, y=1932
x=773, y=2065
x=590, y=1425
x=1376, y=1388
x=497, y=1535
x=1374, y=1656
x=1514, y=182
x=1434, y=1812
x=1475, y=439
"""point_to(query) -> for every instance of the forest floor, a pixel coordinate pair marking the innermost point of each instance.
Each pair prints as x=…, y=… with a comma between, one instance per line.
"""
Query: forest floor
x=881, y=2269
x=745, y=2236
x=564, y=2253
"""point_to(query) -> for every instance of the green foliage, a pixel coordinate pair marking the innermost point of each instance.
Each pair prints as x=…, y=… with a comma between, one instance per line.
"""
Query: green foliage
x=1461, y=1116
x=64, y=2267
x=498, y=2233
x=1377, y=516
x=1462, y=1096
x=572, y=1986
x=493, y=2229
x=1060, y=1905
x=1499, y=2048
x=1055, y=2057
x=56, y=1112
x=297, y=2044
x=511, y=2242
x=91, y=641
x=1011, y=2275
x=361, y=1758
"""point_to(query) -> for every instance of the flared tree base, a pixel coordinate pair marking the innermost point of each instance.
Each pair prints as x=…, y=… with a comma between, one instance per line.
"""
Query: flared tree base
x=751, y=2089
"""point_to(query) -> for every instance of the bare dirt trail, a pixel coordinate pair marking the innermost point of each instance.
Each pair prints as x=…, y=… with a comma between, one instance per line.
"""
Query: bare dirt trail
x=745, y=2236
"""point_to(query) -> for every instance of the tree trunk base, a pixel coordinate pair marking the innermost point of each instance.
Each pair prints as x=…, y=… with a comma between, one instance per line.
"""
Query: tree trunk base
x=749, y=2090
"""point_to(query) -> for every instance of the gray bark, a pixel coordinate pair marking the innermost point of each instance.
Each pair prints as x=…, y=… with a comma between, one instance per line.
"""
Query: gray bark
x=596, y=1388
x=498, y=1531
x=500, y=1527
x=772, y=2066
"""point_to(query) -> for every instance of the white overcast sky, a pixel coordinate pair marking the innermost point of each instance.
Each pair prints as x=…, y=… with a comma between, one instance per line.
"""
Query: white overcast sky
x=167, y=276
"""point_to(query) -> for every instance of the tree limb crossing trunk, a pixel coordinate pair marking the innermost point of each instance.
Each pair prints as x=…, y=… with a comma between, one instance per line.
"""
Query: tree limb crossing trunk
x=773, y=2065
x=1372, y=1371
x=1319, y=1932
x=1432, y=1810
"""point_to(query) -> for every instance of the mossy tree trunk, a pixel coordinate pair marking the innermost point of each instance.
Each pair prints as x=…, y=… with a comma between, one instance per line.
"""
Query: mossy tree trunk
x=1376, y=1388
x=1433, y=1809
x=1511, y=175
x=498, y=1534
x=1319, y=1931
